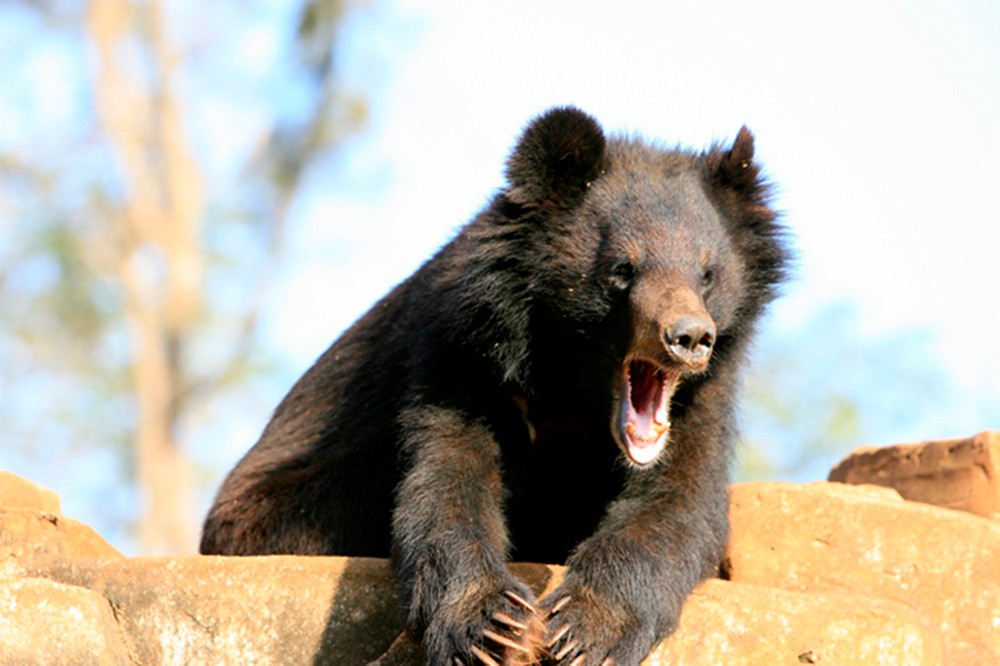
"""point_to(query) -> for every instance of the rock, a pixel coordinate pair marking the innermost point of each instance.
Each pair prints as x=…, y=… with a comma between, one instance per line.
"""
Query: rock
x=292, y=610
x=824, y=573
x=404, y=651
x=738, y=624
x=26, y=534
x=959, y=474
x=832, y=537
x=46, y=622
x=244, y=610
x=256, y=610
x=32, y=526
x=18, y=493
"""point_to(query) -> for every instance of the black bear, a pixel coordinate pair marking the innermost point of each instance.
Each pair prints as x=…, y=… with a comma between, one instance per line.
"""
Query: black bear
x=555, y=385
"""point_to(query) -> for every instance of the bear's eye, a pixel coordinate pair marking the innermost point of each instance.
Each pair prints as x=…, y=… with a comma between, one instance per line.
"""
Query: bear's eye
x=707, y=278
x=622, y=275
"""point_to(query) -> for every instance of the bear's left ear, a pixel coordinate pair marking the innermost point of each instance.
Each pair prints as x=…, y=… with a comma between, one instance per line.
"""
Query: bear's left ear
x=556, y=158
x=734, y=168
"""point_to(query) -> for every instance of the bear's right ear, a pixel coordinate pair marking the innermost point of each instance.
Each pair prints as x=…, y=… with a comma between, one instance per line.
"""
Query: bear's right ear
x=557, y=157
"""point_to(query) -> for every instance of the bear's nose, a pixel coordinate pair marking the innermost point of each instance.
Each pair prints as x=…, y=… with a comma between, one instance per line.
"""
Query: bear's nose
x=690, y=339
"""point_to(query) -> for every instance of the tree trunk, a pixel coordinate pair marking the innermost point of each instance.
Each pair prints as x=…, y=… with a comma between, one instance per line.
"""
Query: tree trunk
x=156, y=230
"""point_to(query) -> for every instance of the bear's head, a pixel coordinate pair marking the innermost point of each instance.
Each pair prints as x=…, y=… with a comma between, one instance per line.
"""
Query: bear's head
x=646, y=267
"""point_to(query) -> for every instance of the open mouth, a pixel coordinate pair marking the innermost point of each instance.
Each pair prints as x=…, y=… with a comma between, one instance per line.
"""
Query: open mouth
x=644, y=416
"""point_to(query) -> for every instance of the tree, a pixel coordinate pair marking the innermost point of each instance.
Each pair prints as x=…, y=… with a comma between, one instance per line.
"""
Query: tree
x=127, y=227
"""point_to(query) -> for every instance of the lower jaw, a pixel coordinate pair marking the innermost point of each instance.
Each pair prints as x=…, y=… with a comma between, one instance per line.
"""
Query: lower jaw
x=647, y=453
x=644, y=450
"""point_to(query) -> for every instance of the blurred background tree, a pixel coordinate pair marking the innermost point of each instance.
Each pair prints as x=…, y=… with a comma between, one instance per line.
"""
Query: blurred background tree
x=819, y=389
x=127, y=303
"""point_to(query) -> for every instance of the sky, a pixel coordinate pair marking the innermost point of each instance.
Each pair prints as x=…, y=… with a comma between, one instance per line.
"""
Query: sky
x=876, y=121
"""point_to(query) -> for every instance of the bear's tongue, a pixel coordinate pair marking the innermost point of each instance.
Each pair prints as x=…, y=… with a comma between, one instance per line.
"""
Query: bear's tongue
x=645, y=419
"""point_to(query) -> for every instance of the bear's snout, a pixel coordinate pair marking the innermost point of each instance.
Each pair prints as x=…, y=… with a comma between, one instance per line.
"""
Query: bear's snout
x=690, y=339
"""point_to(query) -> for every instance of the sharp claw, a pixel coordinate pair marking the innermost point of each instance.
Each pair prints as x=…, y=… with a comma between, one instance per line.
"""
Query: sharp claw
x=457, y=662
x=484, y=657
x=520, y=601
x=579, y=660
x=567, y=649
x=506, y=642
x=608, y=662
x=560, y=632
x=503, y=618
x=560, y=605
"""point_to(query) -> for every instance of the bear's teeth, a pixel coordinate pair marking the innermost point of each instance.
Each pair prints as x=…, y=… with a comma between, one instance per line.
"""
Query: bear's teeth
x=660, y=428
x=657, y=431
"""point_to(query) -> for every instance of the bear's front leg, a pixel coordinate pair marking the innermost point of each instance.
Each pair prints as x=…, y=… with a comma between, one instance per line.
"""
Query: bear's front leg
x=450, y=547
x=625, y=585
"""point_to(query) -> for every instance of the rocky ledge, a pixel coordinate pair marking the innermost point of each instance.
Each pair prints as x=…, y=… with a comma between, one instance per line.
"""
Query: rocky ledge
x=820, y=573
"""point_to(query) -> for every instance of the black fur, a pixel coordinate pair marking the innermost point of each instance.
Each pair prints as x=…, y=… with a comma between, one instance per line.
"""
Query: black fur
x=473, y=415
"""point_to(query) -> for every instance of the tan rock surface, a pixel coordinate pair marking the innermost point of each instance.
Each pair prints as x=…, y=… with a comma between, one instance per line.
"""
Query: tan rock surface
x=745, y=625
x=18, y=493
x=44, y=622
x=27, y=534
x=734, y=624
x=961, y=474
x=255, y=610
x=32, y=526
x=833, y=537
x=823, y=573
x=252, y=610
